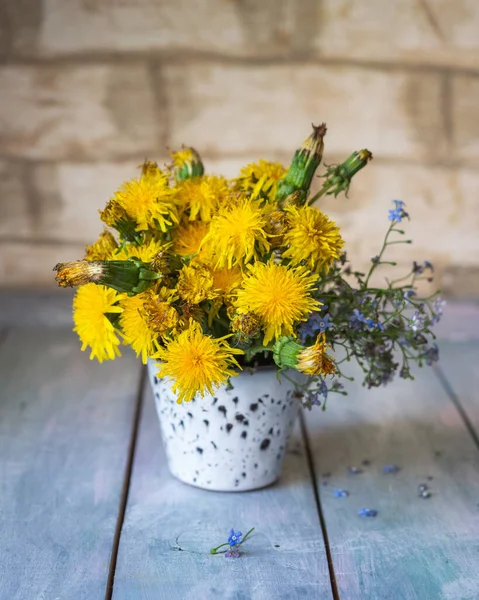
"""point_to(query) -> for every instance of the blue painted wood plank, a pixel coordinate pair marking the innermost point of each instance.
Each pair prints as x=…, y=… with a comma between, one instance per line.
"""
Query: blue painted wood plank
x=65, y=424
x=460, y=366
x=36, y=308
x=415, y=548
x=285, y=557
x=460, y=322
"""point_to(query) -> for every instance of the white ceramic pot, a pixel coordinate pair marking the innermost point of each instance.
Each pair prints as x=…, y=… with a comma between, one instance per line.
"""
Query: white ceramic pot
x=232, y=441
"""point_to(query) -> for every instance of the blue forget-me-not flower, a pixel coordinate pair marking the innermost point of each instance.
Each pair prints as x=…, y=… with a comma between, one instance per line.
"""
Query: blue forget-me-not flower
x=397, y=213
x=234, y=537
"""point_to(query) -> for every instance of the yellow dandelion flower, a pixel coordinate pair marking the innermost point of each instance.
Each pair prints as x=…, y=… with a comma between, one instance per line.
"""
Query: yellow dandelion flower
x=261, y=178
x=196, y=363
x=310, y=236
x=146, y=252
x=103, y=248
x=314, y=360
x=202, y=196
x=237, y=234
x=279, y=295
x=225, y=281
x=148, y=201
x=135, y=326
x=195, y=284
x=188, y=237
x=91, y=304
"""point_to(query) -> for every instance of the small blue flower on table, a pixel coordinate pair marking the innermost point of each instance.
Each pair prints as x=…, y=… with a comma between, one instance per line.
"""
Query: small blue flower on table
x=391, y=469
x=235, y=544
x=234, y=537
x=367, y=512
x=354, y=470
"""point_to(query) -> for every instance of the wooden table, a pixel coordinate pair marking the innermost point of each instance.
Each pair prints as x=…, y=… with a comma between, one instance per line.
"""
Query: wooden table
x=88, y=509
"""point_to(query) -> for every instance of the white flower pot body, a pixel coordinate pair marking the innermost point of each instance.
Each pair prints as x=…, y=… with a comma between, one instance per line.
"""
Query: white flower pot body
x=233, y=441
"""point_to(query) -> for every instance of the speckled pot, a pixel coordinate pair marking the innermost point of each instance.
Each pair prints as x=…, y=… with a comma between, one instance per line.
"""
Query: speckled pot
x=233, y=441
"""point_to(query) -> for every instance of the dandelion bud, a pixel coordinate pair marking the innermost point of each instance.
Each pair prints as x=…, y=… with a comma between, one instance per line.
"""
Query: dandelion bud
x=187, y=164
x=195, y=284
x=102, y=248
x=77, y=273
x=166, y=262
x=311, y=360
x=305, y=162
x=116, y=216
x=130, y=276
x=338, y=177
x=275, y=227
x=247, y=325
x=150, y=168
x=160, y=315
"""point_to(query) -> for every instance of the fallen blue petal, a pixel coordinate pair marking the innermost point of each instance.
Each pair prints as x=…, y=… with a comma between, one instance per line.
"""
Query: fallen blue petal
x=341, y=493
x=391, y=469
x=354, y=470
x=367, y=512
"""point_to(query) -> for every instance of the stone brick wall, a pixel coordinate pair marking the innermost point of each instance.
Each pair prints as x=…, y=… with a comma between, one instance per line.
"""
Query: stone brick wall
x=89, y=88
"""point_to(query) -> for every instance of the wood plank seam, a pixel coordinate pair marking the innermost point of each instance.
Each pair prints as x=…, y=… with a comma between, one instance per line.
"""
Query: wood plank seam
x=126, y=483
x=457, y=403
x=313, y=474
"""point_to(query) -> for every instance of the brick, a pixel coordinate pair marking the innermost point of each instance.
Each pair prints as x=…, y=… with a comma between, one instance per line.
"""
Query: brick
x=61, y=112
x=265, y=110
x=19, y=26
x=465, y=94
x=233, y=28
x=29, y=265
x=70, y=195
x=228, y=167
x=15, y=209
x=435, y=32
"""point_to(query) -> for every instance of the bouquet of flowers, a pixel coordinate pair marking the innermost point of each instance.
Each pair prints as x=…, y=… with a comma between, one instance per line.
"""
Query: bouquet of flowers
x=209, y=275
